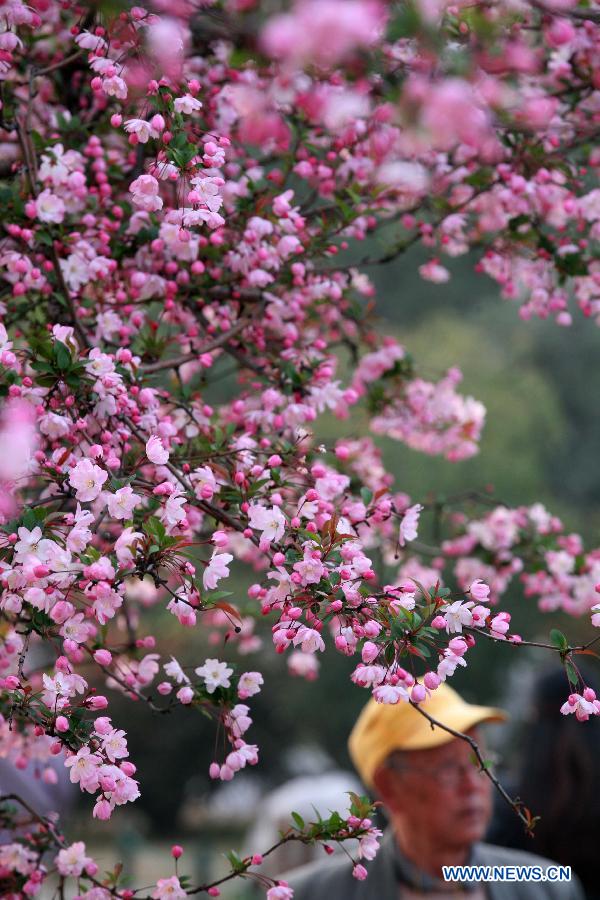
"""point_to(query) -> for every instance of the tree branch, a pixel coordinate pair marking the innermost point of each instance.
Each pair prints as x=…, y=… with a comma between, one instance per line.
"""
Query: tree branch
x=516, y=805
x=176, y=361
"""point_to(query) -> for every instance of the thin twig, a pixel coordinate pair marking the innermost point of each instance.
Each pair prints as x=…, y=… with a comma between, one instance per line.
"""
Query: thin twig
x=37, y=73
x=514, y=804
x=176, y=361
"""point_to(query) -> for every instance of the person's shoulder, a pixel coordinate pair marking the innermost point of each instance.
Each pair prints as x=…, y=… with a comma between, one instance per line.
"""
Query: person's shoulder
x=329, y=879
x=493, y=855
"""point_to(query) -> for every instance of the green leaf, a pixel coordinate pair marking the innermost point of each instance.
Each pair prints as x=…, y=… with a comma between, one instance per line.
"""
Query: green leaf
x=46, y=380
x=558, y=639
x=239, y=57
x=572, y=264
x=73, y=381
x=571, y=673
x=42, y=237
x=406, y=24
x=62, y=356
x=155, y=528
x=298, y=820
x=398, y=629
x=361, y=807
x=515, y=223
x=235, y=862
x=480, y=178
x=219, y=595
x=29, y=519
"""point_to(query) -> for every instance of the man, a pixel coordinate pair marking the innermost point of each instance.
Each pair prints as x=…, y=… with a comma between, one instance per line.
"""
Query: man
x=438, y=803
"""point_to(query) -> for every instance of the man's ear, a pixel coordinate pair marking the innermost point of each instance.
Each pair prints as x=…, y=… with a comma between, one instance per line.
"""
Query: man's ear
x=387, y=784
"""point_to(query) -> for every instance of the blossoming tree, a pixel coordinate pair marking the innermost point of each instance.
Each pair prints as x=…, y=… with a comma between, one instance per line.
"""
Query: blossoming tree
x=177, y=182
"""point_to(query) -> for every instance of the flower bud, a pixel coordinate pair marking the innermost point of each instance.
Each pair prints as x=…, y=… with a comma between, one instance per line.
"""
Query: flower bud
x=418, y=693
x=103, y=657
x=431, y=680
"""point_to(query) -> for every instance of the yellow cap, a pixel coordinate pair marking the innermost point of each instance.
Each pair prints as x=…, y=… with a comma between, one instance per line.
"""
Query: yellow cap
x=382, y=728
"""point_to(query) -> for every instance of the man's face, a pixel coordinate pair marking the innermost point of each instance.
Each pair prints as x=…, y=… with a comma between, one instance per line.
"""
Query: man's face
x=440, y=792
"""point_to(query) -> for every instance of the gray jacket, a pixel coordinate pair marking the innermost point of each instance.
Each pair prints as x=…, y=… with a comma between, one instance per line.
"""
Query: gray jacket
x=333, y=880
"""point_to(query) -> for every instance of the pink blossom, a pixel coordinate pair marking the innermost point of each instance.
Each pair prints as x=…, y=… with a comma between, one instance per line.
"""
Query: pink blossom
x=185, y=695
x=249, y=684
x=368, y=844
x=368, y=675
x=303, y=665
x=433, y=271
x=18, y=439
x=72, y=860
x=581, y=705
x=456, y=615
x=205, y=484
x=449, y=663
x=106, y=601
x=49, y=207
x=87, y=479
x=500, y=624
x=215, y=674
x=88, y=41
x=270, y=522
x=84, y=767
x=479, y=591
x=144, y=192
x=311, y=570
x=409, y=524
x=281, y=891
x=114, y=745
x=169, y=889
x=323, y=31
x=207, y=191
x=389, y=693
x=18, y=857
x=216, y=570
x=156, y=451
x=309, y=639
x=122, y=503
x=125, y=545
x=187, y=104
x=452, y=113
x=143, y=130
x=115, y=87
x=174, y=670
x=103, y=657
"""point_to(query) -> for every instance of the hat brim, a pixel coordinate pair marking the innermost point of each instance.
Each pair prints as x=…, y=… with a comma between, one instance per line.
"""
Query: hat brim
x=460, y=719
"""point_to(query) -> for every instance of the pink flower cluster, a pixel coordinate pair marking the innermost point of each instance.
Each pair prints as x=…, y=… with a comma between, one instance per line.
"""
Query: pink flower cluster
x=553, y=565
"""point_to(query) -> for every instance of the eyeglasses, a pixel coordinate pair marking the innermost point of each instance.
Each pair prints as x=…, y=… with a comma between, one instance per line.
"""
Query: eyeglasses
x=449, y=774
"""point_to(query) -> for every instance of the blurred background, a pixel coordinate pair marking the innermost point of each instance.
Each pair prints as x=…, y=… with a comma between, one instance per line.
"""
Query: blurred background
x=540, y=385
